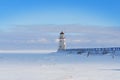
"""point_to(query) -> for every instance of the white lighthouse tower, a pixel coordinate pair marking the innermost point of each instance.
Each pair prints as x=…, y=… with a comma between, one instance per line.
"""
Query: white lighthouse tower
x=62, y=44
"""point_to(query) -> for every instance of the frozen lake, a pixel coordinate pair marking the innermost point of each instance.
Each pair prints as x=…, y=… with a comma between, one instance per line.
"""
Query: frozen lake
x=58, y=67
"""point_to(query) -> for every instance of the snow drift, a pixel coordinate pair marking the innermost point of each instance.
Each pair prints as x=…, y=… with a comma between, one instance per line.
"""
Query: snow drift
x=59, y=66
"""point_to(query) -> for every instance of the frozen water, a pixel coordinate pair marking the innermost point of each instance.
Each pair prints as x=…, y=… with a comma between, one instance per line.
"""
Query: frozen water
x=58, y=66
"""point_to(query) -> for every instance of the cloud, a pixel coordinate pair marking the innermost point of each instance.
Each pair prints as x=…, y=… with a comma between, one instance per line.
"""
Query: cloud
x=46, y=36
x=80, y=41
x=42, y=40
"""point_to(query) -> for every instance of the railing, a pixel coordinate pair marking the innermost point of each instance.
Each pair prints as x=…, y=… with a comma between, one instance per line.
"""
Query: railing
x=95, y=49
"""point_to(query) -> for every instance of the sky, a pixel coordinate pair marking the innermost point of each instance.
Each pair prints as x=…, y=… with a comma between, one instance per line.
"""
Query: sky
x=36, y=24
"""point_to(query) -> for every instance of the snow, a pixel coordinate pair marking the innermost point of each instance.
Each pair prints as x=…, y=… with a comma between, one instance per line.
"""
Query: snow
x=59, y=66
x=26, y=51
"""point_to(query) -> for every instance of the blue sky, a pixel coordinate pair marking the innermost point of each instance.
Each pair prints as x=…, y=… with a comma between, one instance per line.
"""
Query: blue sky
x=34, y=24
x=84, y=12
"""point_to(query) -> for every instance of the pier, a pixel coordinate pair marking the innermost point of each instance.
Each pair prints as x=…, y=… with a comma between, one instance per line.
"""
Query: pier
x=101, y=51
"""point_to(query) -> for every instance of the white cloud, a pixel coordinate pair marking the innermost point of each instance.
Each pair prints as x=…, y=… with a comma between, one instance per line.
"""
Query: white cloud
x=42, y=40
x=56, y=40
x=80, y=41
x=46, y=36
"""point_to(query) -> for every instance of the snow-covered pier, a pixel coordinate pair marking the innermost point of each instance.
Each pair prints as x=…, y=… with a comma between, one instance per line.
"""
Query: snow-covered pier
x=94, y=50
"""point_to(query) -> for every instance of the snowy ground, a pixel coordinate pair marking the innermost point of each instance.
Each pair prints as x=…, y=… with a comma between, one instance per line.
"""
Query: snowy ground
x=58, y=67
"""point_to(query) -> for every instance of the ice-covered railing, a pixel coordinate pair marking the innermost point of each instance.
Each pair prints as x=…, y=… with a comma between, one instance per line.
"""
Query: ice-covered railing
x=112, y=50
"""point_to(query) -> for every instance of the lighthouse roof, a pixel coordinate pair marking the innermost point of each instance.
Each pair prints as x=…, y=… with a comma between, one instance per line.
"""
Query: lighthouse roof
x=62, y=32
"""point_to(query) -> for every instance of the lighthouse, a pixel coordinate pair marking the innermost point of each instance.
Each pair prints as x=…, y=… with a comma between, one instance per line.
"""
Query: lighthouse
x=62, y=44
